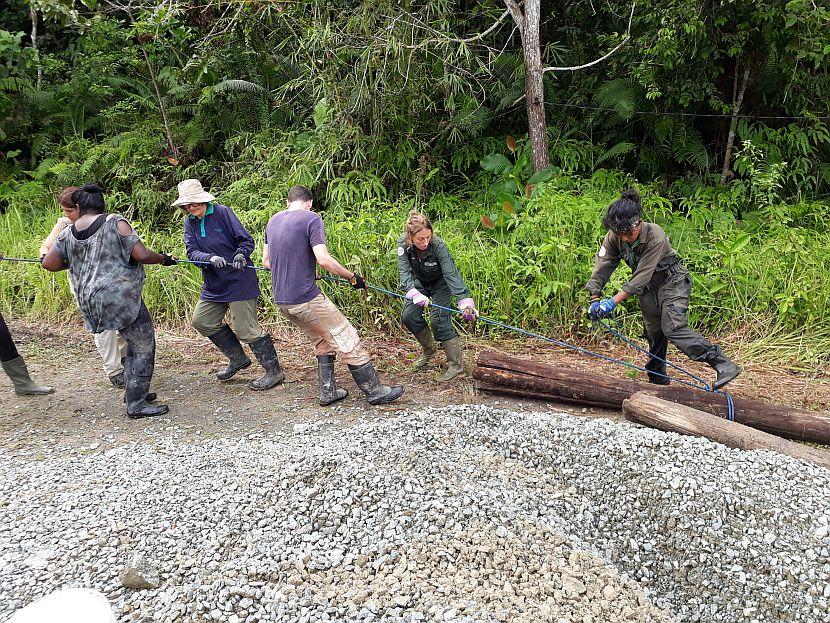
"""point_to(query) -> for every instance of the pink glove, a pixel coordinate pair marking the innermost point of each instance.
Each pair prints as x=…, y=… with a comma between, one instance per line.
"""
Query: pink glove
x=417, y=298
x=468, y=309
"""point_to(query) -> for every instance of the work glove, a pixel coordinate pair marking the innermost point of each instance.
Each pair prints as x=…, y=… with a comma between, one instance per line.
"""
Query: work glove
x=168, y=260
x=468, y=309
x=218, y=261
x=604, y=309
x=417, y=298
x=240, y=261
x=357, y=282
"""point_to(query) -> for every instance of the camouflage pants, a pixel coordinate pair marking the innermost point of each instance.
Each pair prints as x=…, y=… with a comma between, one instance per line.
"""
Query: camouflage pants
x=666, y=319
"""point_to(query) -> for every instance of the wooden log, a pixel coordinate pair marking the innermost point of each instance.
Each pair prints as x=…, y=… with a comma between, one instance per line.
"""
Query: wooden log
x=669, y=416
x=518, y=377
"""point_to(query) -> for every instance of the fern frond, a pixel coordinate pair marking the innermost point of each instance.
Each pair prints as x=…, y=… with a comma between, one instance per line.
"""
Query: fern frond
x=229, y=86
x=617, y=150
x=619, y=95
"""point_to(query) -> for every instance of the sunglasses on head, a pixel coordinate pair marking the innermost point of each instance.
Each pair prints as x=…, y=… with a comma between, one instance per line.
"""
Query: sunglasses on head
x=625, y=227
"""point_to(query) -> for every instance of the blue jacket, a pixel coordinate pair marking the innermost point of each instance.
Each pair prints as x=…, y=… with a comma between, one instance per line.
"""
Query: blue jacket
x=219, y=232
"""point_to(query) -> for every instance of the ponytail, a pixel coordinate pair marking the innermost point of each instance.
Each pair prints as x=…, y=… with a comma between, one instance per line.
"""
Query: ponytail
x=89, y=198
x=415, y=222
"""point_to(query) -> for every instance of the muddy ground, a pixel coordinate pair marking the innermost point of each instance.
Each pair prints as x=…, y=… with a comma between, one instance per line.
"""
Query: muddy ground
x=87, y=412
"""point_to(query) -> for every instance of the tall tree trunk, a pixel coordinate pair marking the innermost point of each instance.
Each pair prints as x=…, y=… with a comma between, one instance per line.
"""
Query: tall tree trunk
x=534, y=89
x=737, y=102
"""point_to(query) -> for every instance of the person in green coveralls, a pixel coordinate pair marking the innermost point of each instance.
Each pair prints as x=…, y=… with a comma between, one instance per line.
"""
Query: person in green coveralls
x=428, y=273
x=662, y=285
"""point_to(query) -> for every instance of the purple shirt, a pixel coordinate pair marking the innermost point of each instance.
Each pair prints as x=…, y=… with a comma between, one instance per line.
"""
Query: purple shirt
x=290, y=236
x=219, y=232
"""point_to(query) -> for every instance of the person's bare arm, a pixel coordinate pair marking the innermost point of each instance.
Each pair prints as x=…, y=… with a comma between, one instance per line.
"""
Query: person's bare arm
x=142, y=254
x=266, y=258
x=53, y=262
x=325, y=260
x=50, y=239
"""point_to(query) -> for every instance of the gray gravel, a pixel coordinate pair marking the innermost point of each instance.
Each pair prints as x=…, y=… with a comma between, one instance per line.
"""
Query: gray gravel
x=459, y=514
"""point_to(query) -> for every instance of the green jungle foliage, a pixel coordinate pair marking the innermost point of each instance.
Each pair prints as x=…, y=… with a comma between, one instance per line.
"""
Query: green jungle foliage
x=381, y=106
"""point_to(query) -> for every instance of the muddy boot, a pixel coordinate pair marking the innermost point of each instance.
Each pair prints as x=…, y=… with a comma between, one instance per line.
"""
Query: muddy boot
x=725, y=369
x=376, y=392
x=266, y=355
x=226, y=341
x=117, y=380
x=454, y=360
x=138, y=372
x=429, y=348
x=23, y=385
x=327, y=389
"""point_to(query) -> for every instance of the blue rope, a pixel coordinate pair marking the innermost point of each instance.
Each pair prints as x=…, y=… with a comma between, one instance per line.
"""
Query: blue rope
x=699, y=384
x=730, y=406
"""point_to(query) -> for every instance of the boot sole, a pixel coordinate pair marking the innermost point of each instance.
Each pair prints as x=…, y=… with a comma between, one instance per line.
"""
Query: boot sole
x=390, y=397
x=445, y=379
x=331, y=402
x=138, y=416
x=225, y=377
x=723, y=382
x=34, y=393
x=262, y=388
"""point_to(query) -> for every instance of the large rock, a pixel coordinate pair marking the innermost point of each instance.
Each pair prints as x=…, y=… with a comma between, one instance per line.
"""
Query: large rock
x=140, y=574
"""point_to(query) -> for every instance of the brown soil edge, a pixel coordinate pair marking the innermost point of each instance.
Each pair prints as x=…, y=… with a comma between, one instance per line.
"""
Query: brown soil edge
x=86, y=413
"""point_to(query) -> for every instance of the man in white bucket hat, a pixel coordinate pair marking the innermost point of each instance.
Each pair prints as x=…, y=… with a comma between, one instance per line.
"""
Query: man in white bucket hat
x=213, y=235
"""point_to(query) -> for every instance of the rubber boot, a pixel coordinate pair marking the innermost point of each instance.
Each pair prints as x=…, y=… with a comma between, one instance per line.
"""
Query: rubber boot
x=226, y=341
x=151, y=396
x=138, y=373
x=266, y=355
x=454, y=360
x=657, y=373
x=117, y=380
x=726, y=370
x=327, y=389
x=429, y=348
x=23, y=385
x=376, y=392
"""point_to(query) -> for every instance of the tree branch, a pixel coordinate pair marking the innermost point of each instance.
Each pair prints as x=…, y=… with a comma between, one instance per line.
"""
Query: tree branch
x=516, y=12
x=601, y=58
x=481, y=35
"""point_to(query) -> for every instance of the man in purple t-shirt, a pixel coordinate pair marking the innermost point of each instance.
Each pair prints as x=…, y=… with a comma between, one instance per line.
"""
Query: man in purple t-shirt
x=295, y=242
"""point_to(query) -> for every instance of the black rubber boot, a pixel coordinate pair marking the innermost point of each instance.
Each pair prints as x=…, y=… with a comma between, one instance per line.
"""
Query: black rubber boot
x=328, y=391
x=656, y=365
x=226, y=341
x=266, y=355
x=725, y=369
x=138, y=373
x=117, y=379
x=376, y=392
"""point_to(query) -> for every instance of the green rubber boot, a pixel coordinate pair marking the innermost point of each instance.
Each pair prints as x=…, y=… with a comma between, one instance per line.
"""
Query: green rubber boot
x=455, y=366
x=23, y=385
x=429, y=348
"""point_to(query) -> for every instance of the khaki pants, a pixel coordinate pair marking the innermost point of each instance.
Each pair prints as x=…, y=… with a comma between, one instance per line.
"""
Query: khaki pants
x=328, y=329
x=112, y=347
x=209, y=316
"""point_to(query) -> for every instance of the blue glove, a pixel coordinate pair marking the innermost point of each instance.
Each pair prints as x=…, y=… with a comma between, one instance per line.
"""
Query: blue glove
x=593, y=310
x=605, y=309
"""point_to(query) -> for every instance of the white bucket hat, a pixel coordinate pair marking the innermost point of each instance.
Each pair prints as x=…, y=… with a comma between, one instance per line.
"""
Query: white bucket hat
x=191, y=191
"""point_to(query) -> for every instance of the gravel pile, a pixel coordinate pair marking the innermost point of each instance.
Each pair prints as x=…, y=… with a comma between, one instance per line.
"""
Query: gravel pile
x=459, y=514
